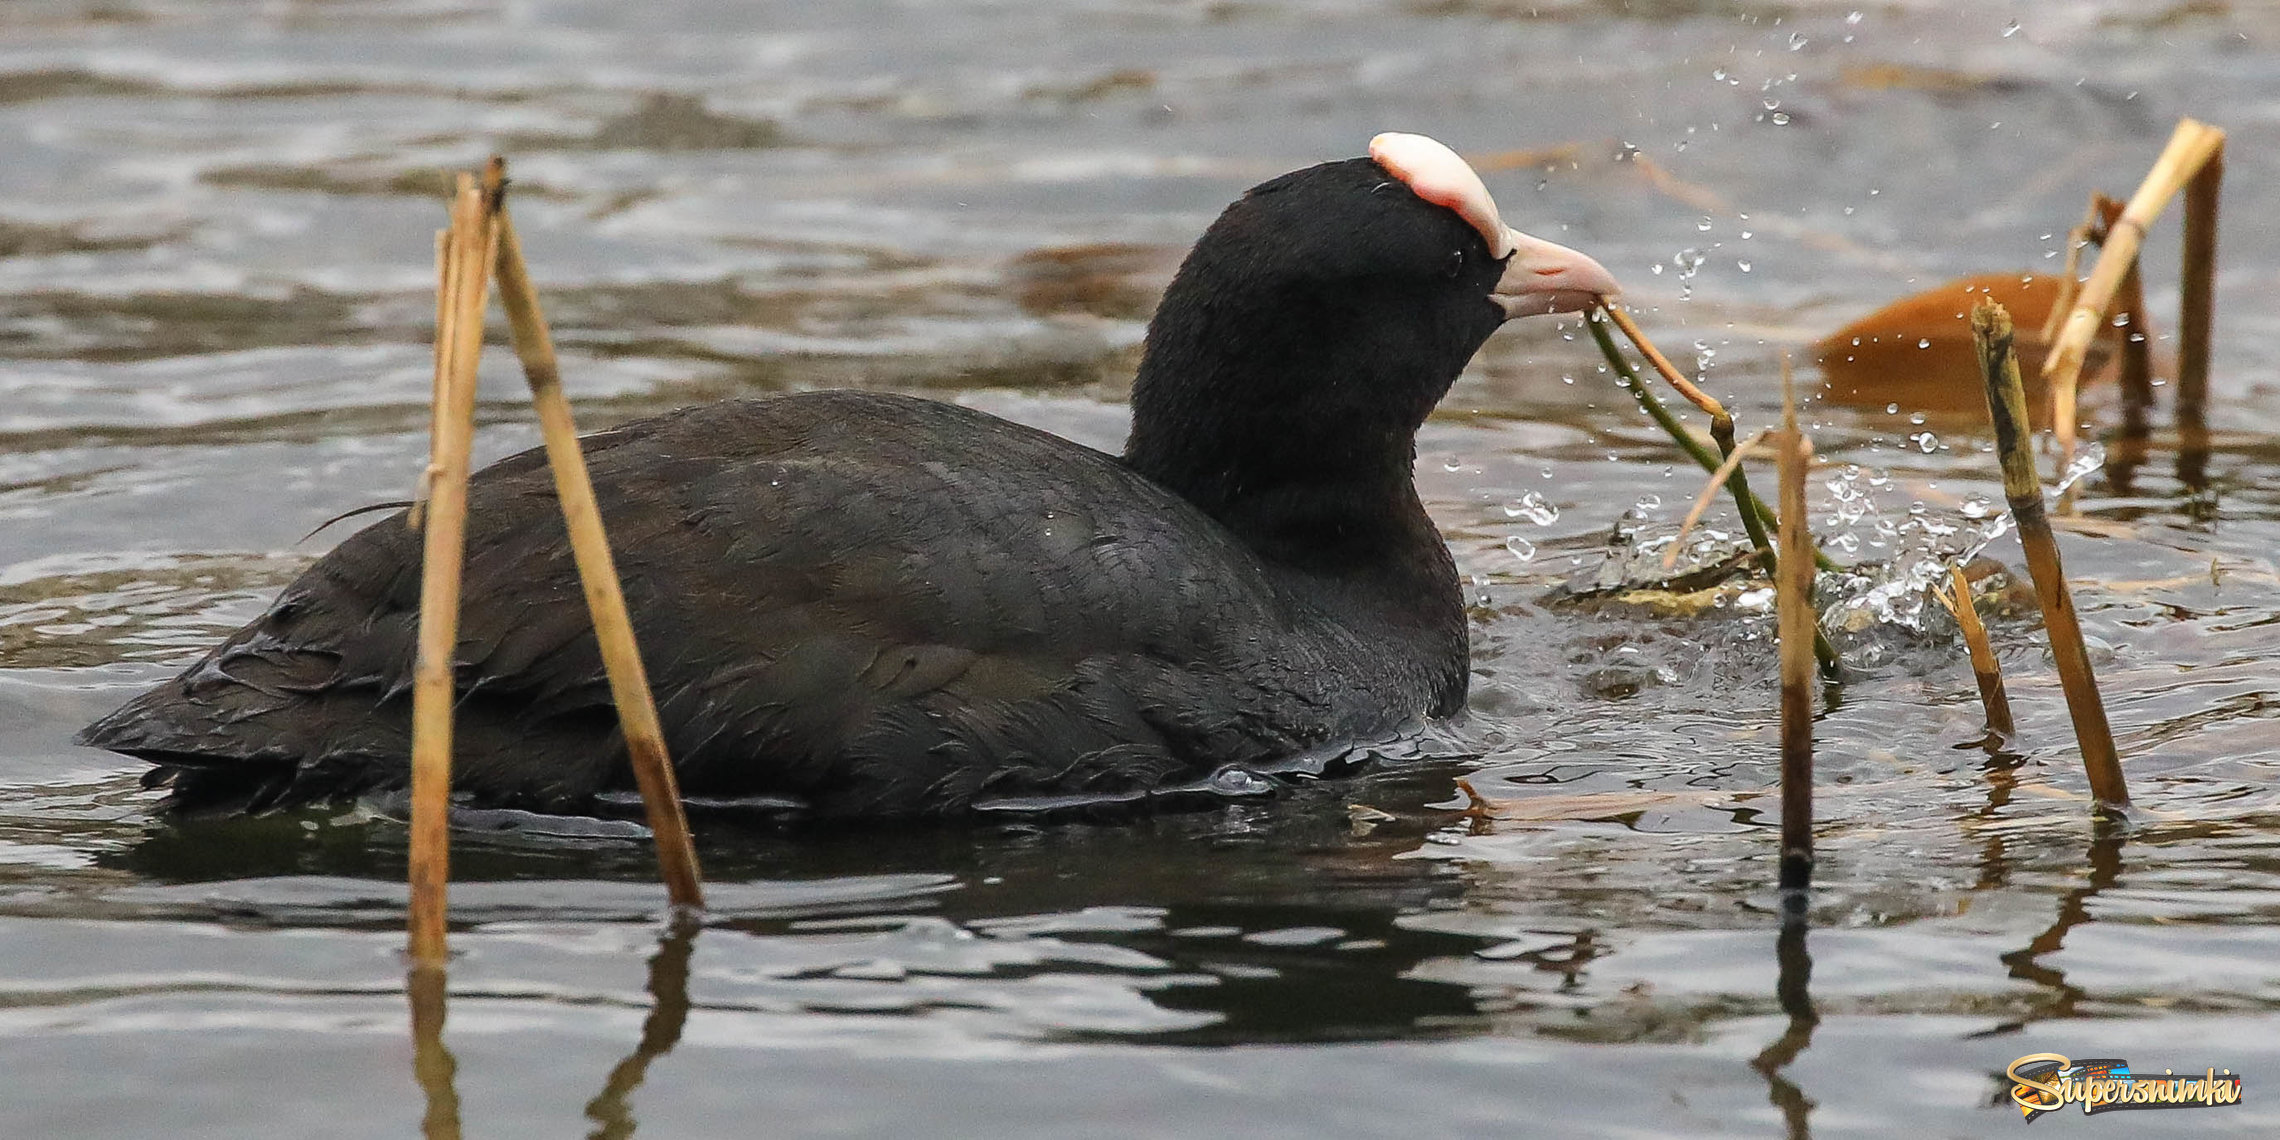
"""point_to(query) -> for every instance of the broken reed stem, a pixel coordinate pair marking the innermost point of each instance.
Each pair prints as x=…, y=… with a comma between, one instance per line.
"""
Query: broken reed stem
x=1800, y=628
x=1710, y=488
x=2190, y=148
x=2007, y=407
x=2197, y=305
x=597, y=572
x=471, y=247
x=1984, y=666
x=1755, y=515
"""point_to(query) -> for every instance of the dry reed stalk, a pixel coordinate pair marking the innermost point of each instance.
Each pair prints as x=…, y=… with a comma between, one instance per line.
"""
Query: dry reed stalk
x=2007, y=407
x=2190, y=148
x=597, y=572
x=473, y=245
x=1984, y=667
x=1800, y=629
x=2197, y=306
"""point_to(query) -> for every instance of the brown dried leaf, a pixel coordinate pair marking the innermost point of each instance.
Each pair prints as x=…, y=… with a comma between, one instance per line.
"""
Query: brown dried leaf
x=1917, y=352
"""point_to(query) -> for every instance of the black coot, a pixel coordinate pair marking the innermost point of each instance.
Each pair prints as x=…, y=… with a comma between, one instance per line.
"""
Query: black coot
x=886, y=606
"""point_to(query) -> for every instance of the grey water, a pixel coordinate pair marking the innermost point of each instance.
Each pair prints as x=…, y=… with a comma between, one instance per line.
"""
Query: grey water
x=216, y=223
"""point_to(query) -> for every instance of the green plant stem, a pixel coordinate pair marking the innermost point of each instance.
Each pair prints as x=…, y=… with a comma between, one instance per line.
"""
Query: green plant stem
x=1757, y=518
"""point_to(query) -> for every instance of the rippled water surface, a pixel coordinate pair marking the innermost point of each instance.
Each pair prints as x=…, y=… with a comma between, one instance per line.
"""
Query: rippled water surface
x=215, y=224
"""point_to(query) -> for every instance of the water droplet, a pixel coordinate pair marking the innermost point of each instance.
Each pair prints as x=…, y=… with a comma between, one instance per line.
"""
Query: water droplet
x=1649, y=503
x=1532, y=507
x=1853, y=18
x=1656, y=269
x=1889, y=409
x=2010, y=29
x=1797, y=41
x=1521, y=548
x=1781, y=118
x=1926, y=343
x=1719, y=74
x=1703, y=225
x=1744, y=266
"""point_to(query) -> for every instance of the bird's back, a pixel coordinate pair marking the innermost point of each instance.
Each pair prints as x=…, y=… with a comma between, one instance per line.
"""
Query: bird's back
x=875, y=605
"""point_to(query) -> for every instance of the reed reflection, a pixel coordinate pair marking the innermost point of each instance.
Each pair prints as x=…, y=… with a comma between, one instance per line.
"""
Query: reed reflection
x=2105, y=862
x=433, y=1066
x=611, y=1110
x=1792, y=988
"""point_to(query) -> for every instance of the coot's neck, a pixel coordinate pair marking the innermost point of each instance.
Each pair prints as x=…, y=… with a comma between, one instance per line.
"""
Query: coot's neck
x=1296, y=437
x=1325, y=501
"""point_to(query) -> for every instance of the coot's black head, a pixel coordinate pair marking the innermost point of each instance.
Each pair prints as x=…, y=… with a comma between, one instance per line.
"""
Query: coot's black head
x=1319, y=319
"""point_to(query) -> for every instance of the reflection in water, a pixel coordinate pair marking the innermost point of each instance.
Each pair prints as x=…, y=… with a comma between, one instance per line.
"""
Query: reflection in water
x=610, y=1109
x=2002, y=769
x=2193, y=459
x=2105, y=860
x=1792, y=988
x=437, y=1071
x=432, y=1063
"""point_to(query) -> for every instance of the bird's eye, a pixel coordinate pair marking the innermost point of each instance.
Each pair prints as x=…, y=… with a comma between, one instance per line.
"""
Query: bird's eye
x=1456, y=263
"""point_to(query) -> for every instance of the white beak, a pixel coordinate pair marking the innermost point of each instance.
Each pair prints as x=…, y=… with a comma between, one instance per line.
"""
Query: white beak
x=1545, y=277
